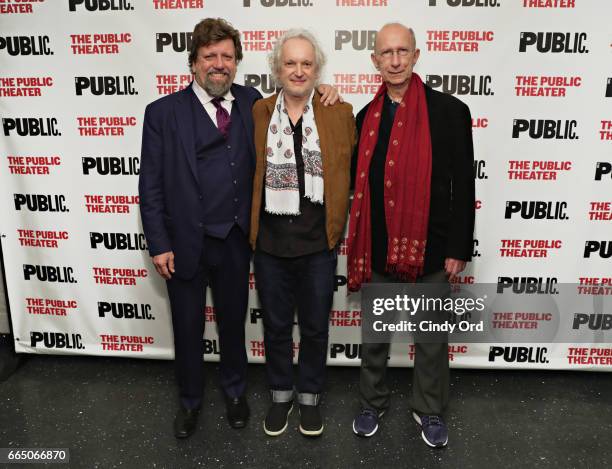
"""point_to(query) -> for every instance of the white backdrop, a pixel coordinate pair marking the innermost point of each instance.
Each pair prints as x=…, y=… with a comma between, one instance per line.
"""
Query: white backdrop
x=76, y=75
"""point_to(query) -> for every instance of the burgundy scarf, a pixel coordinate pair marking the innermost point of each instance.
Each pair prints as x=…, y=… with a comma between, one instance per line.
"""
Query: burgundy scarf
x=406, y=192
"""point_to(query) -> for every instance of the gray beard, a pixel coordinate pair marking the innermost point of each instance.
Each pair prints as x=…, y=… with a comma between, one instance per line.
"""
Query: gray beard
x=216, y=90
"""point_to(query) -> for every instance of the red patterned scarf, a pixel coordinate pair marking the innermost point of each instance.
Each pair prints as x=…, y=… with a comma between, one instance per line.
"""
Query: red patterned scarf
x=406, y=191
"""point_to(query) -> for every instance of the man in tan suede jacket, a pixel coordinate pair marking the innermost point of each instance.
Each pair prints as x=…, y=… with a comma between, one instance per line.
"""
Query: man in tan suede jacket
x=300, y=207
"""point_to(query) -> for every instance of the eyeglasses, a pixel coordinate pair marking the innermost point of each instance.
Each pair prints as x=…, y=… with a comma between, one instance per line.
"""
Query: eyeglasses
x=389, y=53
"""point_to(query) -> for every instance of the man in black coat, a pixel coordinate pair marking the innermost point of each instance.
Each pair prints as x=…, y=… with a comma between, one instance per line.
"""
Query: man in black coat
x=412, y=217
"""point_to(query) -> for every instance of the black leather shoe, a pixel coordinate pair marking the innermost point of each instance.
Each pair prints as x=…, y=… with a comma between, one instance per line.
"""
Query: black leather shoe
x=185, y=422
x=237, y=411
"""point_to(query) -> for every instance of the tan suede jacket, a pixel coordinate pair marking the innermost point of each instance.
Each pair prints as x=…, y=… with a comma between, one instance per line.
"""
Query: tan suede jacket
x=336, y=127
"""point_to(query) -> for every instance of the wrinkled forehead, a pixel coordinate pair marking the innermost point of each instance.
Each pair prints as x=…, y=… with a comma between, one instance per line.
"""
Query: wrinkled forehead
x=394, y=37
x=222, y=46
x=298, y=47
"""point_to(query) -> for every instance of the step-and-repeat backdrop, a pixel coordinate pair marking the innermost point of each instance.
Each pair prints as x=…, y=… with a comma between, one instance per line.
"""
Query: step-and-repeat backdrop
x=75, y=76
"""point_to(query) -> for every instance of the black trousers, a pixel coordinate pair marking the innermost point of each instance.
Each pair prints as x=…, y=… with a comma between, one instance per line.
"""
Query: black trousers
x=431, y=375
x=284, y=283
x=225, y=267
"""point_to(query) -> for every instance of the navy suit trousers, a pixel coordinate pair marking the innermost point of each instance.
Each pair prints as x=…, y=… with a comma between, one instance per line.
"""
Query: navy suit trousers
x=225, y=267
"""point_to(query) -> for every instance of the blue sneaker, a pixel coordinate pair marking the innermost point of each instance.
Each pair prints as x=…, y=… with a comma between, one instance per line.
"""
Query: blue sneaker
x=434, y=430
x=366, y=423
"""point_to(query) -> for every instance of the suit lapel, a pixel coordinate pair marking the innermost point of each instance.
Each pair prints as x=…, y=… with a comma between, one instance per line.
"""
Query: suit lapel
x=184, y=119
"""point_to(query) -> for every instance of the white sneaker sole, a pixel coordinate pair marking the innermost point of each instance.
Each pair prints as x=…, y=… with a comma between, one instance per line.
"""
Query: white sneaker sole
x=418, y=420
x=311, y=432
x=282, y=430
x=367, y=435
x=316, y=432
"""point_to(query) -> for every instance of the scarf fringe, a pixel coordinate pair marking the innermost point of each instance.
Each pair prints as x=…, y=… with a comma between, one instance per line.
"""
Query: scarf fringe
x=409, y=275
x=281, y=212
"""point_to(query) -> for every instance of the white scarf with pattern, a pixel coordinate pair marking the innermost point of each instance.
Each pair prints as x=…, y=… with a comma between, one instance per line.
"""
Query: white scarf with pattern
x=281, y=184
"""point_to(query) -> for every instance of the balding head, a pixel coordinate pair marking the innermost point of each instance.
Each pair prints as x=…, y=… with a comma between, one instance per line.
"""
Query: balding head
x=397, y=30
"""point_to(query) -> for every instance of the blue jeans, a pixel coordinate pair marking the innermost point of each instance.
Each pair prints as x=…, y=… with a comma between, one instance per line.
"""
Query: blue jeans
x=284, y=283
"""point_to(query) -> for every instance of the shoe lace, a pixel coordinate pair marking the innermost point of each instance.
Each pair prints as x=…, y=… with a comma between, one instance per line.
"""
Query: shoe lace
x=369, y=414
x=432, y=420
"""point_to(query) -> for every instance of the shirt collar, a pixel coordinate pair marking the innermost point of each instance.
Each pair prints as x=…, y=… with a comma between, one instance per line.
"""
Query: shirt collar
x=205, y=98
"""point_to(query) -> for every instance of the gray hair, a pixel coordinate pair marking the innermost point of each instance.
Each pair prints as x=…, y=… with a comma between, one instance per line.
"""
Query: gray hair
x=274, y=58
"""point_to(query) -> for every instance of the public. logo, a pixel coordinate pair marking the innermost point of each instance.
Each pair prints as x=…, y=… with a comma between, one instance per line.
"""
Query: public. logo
x=105, y=85
x=545, y=129
x=49, y=273
x=25, y=45
x=125, y=310
x=56, y=340
x=111, y=165
x=30, y=126
x=461, y=85
x=536, y=209
x=519, y=354
x=554, y=42
x=41, y=202
x=100, y=5
x=118, y=241
x=528, y=285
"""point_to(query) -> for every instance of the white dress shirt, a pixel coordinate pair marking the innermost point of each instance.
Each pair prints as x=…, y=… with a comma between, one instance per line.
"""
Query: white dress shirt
x=206, y=101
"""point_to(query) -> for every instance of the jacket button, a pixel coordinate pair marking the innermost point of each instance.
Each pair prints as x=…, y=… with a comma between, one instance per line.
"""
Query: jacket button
x=200, y=224
x=235, y=199
x=232, y=163
x=235, y=182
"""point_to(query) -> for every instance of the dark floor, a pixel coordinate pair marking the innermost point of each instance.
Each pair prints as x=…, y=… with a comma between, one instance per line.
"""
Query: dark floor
x=113, y=412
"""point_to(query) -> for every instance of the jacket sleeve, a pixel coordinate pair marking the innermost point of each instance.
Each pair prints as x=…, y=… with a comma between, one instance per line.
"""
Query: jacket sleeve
x=462, y=205
x=151, y=184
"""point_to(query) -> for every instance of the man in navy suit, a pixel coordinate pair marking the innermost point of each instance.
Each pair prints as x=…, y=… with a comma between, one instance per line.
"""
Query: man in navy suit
x=195, y=187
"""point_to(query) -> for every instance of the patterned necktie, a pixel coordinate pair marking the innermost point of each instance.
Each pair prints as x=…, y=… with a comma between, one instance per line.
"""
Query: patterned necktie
x=223, y=117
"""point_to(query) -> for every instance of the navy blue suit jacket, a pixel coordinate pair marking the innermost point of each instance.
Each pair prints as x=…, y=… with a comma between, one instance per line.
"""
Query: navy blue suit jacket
x=170, y=193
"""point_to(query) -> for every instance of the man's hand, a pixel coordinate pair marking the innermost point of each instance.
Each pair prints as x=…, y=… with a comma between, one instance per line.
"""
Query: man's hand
x=164, y=264
x=453, y=267
x=329, y=94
